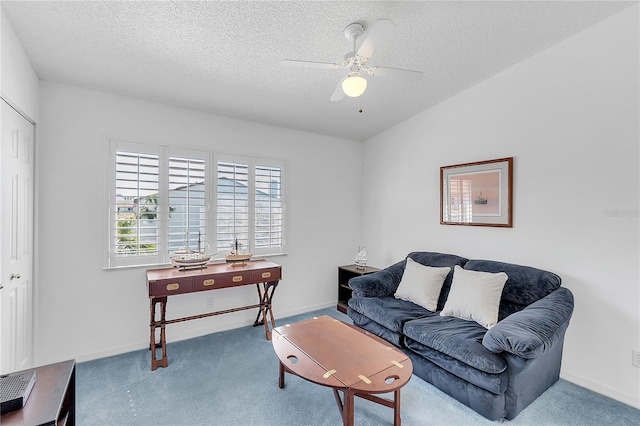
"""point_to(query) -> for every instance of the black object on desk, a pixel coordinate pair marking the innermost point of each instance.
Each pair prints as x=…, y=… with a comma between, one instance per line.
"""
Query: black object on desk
x=52, y=400
x=15, y=389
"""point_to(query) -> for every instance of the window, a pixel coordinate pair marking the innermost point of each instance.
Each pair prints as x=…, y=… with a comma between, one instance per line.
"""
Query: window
x=159, y=203
x=232, y=206
x=269, y=207
x=250, y=205
x=134, y=217
x=187, y=204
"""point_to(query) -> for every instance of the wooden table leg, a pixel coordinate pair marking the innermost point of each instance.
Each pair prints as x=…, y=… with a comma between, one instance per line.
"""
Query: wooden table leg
x=281, y=376
x=338, y=400
x=269, y=309
x=163, y=362
x=348, y=409
x=152, y=326
x=265, y=307
x=396, y=407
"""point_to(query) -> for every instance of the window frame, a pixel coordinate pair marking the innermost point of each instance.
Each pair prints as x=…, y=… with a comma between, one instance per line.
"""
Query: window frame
x=252, y=163
x=192, y=155
x=211, y=158
x=113, y=260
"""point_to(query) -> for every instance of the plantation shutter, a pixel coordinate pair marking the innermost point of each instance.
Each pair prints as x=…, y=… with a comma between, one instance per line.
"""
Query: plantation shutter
x=135, y=216
x=268, y=207
x=163, y=200
x=187, y=222
x=232, y=206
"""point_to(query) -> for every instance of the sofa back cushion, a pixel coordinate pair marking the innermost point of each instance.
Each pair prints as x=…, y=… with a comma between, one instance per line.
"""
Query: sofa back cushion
x=524, y=286
x=438, y=260
x=422, y=284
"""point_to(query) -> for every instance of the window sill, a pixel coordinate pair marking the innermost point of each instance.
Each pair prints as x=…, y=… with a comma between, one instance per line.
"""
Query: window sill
x=214, y=260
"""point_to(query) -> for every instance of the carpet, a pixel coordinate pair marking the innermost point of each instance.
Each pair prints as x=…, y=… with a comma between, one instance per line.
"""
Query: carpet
x=231, y=378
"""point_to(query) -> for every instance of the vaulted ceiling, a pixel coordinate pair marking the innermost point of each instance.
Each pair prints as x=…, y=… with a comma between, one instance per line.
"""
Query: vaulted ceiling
x=224, y=57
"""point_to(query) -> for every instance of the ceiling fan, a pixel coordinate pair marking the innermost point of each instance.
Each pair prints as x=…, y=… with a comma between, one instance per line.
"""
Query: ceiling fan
x=356, y=61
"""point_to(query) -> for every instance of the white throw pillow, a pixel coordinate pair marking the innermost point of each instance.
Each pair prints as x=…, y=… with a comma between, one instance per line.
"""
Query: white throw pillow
x=421, y=284
x=475, y=296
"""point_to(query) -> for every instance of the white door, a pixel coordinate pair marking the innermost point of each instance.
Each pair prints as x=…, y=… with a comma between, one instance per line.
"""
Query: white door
x=16, y=233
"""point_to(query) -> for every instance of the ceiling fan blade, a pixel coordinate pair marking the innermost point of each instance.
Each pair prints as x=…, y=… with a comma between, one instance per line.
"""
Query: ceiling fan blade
x=308, y=64
x=397, y=73
x=380, y=31
x=338, y=94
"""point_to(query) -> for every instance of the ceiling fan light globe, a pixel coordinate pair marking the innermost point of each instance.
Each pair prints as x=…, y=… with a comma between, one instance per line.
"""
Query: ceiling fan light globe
x=354, y=85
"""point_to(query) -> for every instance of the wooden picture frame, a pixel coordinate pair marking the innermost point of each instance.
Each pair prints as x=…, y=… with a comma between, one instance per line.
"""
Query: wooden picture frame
x=477, y=194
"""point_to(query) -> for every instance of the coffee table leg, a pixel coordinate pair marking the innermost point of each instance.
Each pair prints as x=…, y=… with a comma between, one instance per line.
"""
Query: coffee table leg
x=347, y=410
x=281, y=376
x=338, y=400
x=396, y=407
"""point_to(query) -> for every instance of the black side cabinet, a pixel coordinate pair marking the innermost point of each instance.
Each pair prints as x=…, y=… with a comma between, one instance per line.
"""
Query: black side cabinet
x=345, y=273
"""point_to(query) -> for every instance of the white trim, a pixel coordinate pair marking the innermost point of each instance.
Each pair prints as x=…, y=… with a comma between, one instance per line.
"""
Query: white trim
x=632, y=400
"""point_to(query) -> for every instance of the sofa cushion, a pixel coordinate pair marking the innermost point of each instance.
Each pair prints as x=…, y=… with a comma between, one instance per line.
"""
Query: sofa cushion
x=457, y=338
x=421, y=284
x=373, y=327
x=495, y=383
x=524, y=286
x=388, y=311
x=439, y=260
x=475, y=296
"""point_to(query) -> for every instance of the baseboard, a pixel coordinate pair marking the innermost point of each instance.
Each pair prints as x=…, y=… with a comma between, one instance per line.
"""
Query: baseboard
x=112, y=351
x=632, y=400
x=197, y=331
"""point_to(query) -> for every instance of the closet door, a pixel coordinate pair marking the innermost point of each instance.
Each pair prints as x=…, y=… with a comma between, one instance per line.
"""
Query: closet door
x=16, y=234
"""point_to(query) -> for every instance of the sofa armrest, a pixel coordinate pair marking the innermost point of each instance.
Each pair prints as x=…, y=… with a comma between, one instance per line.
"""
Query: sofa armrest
x=535, y=329
x=378, y=284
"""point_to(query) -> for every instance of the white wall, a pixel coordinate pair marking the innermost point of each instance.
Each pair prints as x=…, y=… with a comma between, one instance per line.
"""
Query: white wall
x=87, y=312
x=570, y=117
x=18, y=81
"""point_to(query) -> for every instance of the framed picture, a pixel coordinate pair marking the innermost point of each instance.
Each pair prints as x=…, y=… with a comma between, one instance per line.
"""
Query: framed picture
x=479, y=194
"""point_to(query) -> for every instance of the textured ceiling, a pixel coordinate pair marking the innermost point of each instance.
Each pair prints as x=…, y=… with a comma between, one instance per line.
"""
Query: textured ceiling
x=223, y=57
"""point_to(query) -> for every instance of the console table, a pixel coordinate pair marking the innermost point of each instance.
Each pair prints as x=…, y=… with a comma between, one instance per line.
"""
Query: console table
x=166, y=282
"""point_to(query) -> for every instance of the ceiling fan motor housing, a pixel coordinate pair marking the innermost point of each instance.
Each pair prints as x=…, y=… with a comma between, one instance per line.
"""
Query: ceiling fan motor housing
x=353, y=31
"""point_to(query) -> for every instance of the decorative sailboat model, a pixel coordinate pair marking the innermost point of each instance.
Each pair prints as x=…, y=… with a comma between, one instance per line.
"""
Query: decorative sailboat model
x=188, y=259
x=361, y=258
x=235, y=257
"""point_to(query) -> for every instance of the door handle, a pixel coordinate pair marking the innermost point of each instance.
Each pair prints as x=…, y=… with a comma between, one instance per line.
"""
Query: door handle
x=14, y=276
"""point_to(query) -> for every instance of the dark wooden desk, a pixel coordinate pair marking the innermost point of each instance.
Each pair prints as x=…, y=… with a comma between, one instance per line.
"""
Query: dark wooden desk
x=52, y=400
x=166, y=282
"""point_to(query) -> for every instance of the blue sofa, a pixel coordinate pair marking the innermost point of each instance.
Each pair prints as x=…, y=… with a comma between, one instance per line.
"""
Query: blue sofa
x=496, y=371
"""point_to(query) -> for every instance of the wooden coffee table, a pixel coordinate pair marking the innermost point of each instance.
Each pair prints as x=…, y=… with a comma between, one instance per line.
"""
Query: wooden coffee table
x=331, y=353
